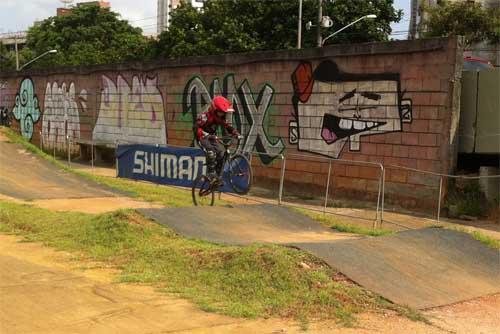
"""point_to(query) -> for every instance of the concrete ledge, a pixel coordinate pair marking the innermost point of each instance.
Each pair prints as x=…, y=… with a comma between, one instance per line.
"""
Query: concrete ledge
x=338, y=50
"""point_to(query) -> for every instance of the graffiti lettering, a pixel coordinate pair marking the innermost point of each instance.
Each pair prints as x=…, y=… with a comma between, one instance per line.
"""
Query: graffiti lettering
x=61, y=117
x=332, y=107
x=249, y=116
x=131, y=113
x=26, y=109
x=169, y=165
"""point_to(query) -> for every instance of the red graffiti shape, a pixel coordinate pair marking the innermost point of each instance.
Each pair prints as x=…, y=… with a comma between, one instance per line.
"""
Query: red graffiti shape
x=303, y=81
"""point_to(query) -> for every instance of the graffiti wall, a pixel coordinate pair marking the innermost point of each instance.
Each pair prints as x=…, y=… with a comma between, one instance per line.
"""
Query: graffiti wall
x=391, y=103
x=333, y=107
x=26, y=109
x=130, y=113
x=249, y=116
x=61, y=116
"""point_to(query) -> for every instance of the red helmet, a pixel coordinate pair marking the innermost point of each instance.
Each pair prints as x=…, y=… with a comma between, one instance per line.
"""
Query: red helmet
x=220, y=103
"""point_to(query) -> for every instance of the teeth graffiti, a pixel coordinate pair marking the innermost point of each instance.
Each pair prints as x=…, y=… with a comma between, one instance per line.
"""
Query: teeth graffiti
x=348, y=124
x=359, y=125
x=345, y=124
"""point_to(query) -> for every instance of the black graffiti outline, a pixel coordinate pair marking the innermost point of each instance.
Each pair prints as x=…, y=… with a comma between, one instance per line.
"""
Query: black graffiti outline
x=328, y=71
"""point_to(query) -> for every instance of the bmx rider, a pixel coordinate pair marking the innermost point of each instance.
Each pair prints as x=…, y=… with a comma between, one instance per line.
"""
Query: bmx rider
x=205, y=131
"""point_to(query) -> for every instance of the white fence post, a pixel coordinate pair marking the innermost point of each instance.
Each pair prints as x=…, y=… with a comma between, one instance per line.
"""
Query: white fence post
x=327, y=185
x=282, y=179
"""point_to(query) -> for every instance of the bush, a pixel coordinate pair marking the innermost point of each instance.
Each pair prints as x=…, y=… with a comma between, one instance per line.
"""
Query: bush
x=467, y=199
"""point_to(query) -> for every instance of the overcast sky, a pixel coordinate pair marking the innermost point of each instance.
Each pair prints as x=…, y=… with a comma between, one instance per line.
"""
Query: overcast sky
x=18, y=15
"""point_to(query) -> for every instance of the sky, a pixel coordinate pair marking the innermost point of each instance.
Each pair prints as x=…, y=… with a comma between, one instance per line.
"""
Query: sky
x=18, y=15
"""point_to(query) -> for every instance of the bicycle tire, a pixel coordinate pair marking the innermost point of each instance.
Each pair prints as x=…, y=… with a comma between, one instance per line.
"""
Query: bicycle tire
x=240, y=174
x=201, y=192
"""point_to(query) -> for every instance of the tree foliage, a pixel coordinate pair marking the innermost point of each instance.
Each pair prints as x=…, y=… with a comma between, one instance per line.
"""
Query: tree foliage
x=468, y=19
x=7, y=59
x=229, y=26
x=88, y=35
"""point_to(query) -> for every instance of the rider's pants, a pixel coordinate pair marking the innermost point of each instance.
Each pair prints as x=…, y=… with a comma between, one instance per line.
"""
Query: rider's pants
x=214, y=159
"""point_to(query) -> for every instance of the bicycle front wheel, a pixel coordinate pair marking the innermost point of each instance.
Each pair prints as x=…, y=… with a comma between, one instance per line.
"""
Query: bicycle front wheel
x=240, y=174
x=202, y=192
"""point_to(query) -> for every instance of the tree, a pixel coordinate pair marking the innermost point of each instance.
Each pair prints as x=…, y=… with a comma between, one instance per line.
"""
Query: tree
x=228, y=26
x=7, y=59
x=88, y=35
x=468, y=19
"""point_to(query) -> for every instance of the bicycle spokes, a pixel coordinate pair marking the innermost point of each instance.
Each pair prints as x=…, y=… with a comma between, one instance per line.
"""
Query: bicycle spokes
x=202, y=191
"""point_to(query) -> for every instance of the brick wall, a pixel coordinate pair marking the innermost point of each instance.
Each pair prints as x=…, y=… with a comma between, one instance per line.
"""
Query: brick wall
x=392, y=103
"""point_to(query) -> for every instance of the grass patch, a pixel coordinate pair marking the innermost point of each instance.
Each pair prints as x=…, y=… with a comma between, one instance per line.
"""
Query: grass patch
x=164, y=195
x=253, y=281
x=488, y=241
x=330, y=221
x=467, y=199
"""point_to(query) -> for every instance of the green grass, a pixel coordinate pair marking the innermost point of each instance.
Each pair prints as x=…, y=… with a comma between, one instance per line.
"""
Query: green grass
x=253, y=281
x=330, y=221
x=487, y=240
x=167, y=196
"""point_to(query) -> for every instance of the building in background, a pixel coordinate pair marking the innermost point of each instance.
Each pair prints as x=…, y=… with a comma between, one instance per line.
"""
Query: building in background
x=67, y=9
x=481, y=50
x=165, y=8
x=12, y=38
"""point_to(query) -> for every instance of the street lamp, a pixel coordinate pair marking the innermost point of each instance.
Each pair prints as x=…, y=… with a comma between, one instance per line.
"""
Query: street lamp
x=36, y=58
x=299, y=31
x=371, y=16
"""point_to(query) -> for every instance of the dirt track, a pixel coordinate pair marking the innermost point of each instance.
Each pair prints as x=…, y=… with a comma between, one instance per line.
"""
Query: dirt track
x=44, y=291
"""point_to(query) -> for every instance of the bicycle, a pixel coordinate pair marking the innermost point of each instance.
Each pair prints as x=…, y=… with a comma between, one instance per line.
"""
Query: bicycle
x=235, y=166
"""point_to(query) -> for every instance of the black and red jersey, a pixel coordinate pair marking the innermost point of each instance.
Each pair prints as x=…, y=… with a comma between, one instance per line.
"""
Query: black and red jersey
x=207, y=123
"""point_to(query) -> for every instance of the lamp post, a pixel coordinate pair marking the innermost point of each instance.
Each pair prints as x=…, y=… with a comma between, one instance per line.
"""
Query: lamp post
x=35, y=59
x=320, y=20
x=371, y=16
x=299, y=32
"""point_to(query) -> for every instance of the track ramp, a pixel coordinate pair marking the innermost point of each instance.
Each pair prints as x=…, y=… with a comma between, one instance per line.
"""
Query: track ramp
x=420, y=268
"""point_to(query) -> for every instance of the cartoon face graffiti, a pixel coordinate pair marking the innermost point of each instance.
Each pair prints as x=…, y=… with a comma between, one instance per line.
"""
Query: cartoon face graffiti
x=333, y=107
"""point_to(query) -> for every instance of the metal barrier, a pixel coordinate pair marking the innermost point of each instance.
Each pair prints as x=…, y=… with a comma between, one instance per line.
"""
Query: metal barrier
x=330, y=177
x=377, y=221
x=441, y=178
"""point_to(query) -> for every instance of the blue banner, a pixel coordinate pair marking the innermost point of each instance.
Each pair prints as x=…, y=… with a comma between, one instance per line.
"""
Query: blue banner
x=178, y=166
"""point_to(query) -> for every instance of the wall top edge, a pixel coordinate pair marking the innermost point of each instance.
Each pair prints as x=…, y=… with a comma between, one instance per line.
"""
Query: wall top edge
x=228, y=60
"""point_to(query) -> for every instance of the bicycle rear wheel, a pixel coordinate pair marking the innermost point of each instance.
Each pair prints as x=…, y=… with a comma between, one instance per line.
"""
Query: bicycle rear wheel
x=202, y=192
x=240, y=174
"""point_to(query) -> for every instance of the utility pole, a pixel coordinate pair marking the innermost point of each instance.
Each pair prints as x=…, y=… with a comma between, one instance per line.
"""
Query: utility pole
x=299, y=34
x=17, y=53
x=320, y=19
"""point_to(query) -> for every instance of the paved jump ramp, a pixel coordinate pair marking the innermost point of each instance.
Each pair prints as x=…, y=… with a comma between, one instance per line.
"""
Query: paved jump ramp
x=419, y=268
x=26, y=176
x=244, y=225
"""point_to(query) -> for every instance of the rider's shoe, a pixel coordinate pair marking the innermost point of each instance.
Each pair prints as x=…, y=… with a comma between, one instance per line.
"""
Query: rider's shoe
x=217, y=181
